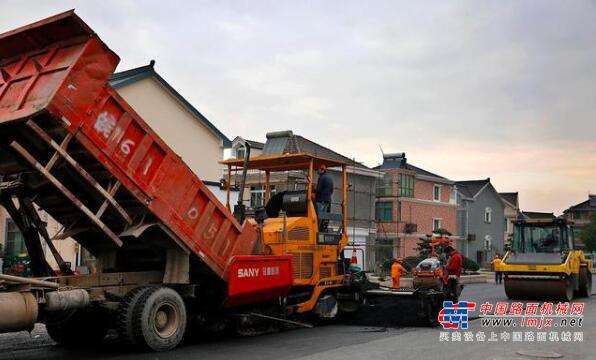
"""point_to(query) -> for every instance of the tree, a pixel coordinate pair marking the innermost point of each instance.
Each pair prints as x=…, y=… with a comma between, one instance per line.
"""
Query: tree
x=588, y=234
x=423, y=246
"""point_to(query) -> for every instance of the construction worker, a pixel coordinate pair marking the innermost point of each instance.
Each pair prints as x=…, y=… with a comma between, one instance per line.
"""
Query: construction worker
x=496, y=264
x=396, y=270
x=454, y=269
x=323, y=193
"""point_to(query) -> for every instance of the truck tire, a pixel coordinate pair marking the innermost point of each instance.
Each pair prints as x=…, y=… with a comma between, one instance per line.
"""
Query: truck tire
x=79, y=328
x=158, y=319
x=125, y=312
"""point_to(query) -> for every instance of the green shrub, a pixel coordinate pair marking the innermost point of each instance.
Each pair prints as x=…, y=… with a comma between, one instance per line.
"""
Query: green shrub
x=410, y=262
x=470, y=265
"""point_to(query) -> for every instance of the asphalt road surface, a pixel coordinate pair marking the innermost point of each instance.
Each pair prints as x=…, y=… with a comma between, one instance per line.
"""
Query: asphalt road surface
x=332, y=342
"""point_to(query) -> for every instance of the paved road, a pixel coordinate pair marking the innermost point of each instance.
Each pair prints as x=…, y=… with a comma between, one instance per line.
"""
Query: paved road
x=325, y=342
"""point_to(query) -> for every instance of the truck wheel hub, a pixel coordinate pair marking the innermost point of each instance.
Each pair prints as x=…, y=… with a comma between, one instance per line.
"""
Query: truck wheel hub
x=166, y=320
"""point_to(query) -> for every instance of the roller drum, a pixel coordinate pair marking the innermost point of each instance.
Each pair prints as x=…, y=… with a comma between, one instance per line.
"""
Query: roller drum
x=539, y=289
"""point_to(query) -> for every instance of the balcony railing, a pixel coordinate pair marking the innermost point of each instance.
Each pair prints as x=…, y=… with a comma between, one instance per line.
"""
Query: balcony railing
x=410, y=228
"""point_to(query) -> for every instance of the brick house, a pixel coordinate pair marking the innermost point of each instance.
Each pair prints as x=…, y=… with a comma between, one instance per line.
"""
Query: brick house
x=410, y=203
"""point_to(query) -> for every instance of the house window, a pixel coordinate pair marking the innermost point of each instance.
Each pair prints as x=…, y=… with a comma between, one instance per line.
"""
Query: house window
x=15, y=244
x=257, y=194
x=488, y=215
x=240, y=153
x=437, y=193
x=385, y=186
x=384, y=211
x=436, y=224
x=406, y=185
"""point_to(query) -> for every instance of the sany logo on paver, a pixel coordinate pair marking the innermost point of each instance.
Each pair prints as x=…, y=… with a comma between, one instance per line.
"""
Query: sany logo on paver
x=254, y=272
x=455, y=316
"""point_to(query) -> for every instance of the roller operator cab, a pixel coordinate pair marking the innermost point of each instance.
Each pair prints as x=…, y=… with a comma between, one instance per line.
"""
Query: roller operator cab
x=544, y=262
x=288, y=224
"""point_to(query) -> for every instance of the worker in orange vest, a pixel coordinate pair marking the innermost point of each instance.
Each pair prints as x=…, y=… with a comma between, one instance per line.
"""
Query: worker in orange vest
x=396, y=270
x=496, y=264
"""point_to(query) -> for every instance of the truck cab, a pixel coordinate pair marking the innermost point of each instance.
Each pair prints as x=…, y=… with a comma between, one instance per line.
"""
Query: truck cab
x=544, y=242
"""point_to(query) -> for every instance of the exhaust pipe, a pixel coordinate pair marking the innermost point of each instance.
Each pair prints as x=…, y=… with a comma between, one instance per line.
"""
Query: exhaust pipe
x=66, y=300
x=19, y=311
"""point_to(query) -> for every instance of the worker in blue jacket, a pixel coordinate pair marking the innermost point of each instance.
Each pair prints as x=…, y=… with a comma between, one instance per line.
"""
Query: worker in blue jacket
x=323, y=193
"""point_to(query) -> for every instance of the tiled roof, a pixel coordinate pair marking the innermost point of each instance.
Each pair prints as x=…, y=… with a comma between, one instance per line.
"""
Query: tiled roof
x=510, y=197
x=471, y=188
x=538, y=215
x=124, y=78
x=588, y=205
x=284, y=142
x=253, y=144
x=399, y=161
x=421, y=171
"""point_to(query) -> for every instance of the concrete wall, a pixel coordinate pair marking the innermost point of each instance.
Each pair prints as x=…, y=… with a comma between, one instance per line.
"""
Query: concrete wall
x=198, y=146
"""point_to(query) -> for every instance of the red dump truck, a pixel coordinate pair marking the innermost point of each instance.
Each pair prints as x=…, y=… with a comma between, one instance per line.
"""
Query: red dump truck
x=165, y=246
x=168, y=252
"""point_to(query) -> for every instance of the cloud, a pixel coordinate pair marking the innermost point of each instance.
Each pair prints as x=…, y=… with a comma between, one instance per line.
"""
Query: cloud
x=239, y=29
x=468, y=89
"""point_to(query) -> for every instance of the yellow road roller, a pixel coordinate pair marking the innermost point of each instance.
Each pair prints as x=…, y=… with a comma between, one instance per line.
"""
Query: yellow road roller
x=544, y=264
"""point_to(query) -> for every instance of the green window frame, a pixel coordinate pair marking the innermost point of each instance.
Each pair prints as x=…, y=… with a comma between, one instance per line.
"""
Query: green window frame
x=406, y=185
x=384, y=211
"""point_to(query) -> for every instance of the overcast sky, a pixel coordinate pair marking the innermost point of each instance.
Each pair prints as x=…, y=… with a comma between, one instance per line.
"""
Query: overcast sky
x=468, y=89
